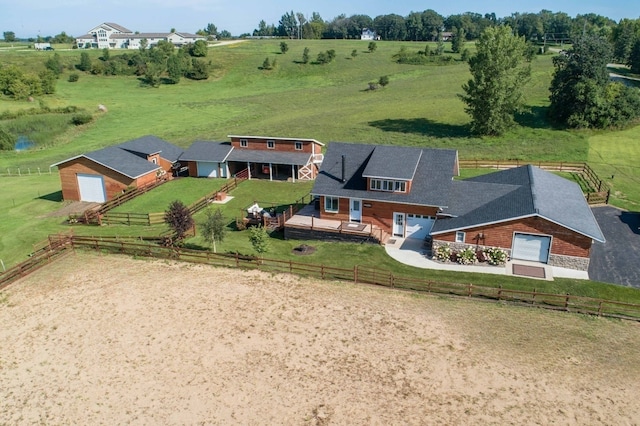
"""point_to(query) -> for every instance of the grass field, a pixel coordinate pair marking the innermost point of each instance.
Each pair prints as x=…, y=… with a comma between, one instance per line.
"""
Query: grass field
x=330, y=102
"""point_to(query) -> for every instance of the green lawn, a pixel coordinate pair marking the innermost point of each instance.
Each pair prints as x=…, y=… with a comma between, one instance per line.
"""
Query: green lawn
x=419, y=107
x=187, y=190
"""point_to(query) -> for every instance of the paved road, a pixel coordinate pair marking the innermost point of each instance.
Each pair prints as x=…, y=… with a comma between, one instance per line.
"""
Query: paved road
x=618, y=260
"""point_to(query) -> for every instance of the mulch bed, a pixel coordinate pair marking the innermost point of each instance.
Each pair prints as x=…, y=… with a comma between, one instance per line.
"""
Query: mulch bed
x=303, y=249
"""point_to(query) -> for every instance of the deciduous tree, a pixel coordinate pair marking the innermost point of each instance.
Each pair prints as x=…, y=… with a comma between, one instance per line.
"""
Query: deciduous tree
x=582, y=95
x=259, y=239
x=494, y=94
x=213, y=228
x=178, y=218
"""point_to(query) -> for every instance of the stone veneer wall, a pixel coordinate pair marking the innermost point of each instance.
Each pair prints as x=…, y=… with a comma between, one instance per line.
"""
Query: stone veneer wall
x=570, y=262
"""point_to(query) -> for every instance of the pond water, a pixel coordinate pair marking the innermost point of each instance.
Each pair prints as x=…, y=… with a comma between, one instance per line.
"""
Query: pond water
x=24, y=143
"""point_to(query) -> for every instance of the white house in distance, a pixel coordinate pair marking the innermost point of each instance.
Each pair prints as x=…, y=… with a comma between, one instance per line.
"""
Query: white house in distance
x=368, y=34
x=113, y=36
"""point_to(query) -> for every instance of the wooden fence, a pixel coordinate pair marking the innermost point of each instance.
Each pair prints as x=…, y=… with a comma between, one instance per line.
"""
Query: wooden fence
x=225, y=189
x=53, y=248
x=367, y=275
x=94, y=216
x=146, y=219
x=595, y=189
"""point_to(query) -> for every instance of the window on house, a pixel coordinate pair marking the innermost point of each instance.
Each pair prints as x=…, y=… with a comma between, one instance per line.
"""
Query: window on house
x=387, y=185
x=154, y=160
x=244, y=143
x=331, y=204
x=298, y=146
x=459, y=237
x=271, y=144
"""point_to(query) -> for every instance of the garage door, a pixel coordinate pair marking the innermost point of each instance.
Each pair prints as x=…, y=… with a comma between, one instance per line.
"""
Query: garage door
x=207, y=169
x=419, y=226
x=531, y=247
x=91, y=188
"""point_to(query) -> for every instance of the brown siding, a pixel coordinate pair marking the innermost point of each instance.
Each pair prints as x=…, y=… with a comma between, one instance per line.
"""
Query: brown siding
x=114, y=182
x=260, y=144
x=563, y=242
x=378, y=212
x=193, y=168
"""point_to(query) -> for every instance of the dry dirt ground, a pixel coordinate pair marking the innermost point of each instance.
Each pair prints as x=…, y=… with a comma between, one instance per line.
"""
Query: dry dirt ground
x=114, y=340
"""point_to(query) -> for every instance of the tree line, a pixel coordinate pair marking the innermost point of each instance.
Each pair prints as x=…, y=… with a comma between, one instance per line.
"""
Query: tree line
x=429, y=24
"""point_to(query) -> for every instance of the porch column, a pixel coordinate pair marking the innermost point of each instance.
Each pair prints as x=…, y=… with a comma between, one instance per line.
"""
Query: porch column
x=293, y=172
x=270, y=171
x=249, y=170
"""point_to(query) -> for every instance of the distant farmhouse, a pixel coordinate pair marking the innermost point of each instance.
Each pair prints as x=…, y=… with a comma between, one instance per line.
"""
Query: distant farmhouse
x=368, y=34
x=42, y=46
x=114, y=36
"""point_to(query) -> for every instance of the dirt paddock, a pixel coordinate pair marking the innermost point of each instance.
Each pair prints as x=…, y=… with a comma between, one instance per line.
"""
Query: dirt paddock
x=114, y=340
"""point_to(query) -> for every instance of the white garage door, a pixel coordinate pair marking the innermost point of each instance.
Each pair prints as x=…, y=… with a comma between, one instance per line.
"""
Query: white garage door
x=419, y=226
x=91, y=188
x=531, y=247
x=207, y=169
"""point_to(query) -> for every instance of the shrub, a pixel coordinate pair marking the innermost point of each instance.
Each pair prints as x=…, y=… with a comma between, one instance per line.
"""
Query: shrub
x=80, y=119
x=467, y=256
x=495, y=256
x=443, y=253
x=73, y=77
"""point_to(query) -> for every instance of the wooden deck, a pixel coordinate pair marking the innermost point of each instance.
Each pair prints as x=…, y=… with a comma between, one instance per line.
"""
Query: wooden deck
x=305, y=219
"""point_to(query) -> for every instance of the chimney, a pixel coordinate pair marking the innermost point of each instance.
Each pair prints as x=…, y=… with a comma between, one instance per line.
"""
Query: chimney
x=343, y=170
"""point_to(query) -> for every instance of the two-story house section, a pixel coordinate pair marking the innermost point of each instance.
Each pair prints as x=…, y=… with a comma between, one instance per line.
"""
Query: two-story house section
x=398, y=189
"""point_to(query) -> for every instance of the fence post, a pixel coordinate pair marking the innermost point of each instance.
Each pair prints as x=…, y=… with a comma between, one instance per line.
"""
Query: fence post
x=600, y=308
x=290, y=266
x=322, y=271
x=533, y=300
x=566, y=302
x=355, y=274
x=606, y=200
x=470, y=290
x=391, y=280
x=237, y=261
x=499, y=292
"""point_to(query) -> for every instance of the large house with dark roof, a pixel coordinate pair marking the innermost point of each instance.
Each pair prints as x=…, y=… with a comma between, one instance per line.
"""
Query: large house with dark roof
x=99, y=176
x=113, y=36
x=410, y=193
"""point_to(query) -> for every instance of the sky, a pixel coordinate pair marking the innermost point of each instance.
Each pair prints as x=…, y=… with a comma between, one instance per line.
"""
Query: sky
x=30, y=18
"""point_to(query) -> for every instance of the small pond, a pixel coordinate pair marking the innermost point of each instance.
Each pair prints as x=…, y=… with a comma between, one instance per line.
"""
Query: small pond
x=24, y=143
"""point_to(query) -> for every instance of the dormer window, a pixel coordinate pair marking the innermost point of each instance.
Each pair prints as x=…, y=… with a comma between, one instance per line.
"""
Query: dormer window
x=388, y=185
x=244, y=143
x=154, y=160
x=271, y=144
x=298, y=146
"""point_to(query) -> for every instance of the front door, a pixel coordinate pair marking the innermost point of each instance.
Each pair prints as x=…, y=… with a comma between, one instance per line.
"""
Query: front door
x=355, y=210
x=398, y=224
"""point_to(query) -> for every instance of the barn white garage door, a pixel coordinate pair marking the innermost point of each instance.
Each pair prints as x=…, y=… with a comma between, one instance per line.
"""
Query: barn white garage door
x=419, y=226
x=531, y=247
x=91, y=188
x=207, y=169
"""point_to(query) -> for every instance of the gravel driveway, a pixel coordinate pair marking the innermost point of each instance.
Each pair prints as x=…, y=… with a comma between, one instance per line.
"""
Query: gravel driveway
x=618, y=260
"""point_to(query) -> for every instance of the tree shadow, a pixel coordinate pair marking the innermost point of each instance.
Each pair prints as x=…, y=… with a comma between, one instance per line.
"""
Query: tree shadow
x=536, y=117
x=632, y=220
x=423, y=127
x=192, y=246
x=54, y=196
